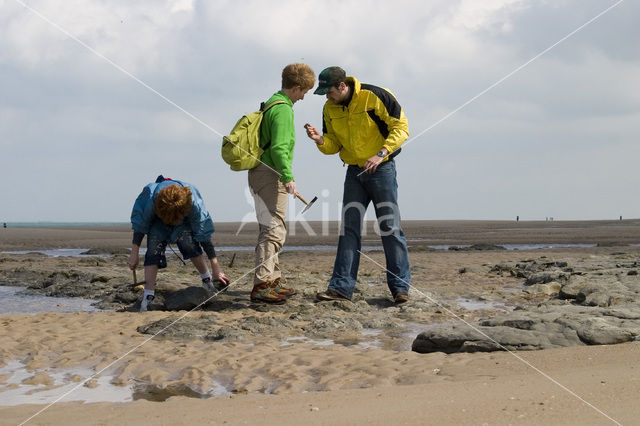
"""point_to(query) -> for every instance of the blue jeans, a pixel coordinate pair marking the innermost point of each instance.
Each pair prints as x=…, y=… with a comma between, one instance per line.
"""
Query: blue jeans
x=361, y=188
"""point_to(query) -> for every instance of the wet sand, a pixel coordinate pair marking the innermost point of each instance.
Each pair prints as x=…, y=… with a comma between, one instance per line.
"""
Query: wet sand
x=273, y=380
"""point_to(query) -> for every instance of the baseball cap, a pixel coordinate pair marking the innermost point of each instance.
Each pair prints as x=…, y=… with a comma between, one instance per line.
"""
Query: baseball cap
x=328, y=78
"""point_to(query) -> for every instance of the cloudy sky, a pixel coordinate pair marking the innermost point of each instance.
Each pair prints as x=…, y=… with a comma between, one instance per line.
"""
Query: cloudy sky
x=98, y=97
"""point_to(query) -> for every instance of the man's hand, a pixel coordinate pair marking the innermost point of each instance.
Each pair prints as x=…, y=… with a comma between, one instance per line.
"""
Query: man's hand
x=313, y=134
x=134, y=257
x=291, y=188
x=372, y=164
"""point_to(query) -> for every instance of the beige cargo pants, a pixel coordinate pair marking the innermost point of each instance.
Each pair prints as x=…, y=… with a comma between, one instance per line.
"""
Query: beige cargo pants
x=271, y=198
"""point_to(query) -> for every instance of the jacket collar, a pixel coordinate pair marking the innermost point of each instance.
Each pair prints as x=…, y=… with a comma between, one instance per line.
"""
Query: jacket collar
x=356, y=85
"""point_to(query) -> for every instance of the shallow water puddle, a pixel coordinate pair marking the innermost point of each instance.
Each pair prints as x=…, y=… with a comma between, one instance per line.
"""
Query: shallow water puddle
x=49, y=385
x=20, y=386
x=304, y=339
x=12, y=301
x=66, y=252
x=479, y=305
x=63, y=252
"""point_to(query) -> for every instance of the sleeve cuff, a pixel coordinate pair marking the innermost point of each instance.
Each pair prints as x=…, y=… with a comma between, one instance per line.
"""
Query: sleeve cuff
x=208, y=248
x=137, y=238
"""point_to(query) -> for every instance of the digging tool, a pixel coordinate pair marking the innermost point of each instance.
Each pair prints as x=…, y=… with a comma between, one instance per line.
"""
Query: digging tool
x=135, y=280
x=307, y=204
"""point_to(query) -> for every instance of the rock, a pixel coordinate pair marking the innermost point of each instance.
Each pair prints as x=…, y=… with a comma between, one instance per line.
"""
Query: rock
x=543, y=327
x=605, y=331
x=550, y=289
x=480, y=339
x=475, y=268
x=573, y=287
x=186, y=299
x=604, y=309
x=182, y=327
x=546, y=277
x=604, y=292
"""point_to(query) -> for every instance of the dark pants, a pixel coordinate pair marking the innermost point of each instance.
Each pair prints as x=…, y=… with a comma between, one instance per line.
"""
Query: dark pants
x=156, y=248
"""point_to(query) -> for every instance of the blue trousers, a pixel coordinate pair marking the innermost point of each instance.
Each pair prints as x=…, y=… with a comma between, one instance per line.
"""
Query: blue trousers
x=360, y=189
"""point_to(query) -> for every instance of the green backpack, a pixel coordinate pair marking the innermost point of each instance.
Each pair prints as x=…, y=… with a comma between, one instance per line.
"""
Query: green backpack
x=241, y=148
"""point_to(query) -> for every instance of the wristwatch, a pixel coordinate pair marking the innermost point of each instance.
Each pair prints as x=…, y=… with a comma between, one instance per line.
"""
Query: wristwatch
x=381, y=154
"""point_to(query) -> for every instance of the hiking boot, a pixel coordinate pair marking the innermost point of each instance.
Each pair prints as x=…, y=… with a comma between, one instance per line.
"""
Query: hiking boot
x=279, y=289
x=264, y=293
x=330, y=295
x=401, y=297
x=145, y=302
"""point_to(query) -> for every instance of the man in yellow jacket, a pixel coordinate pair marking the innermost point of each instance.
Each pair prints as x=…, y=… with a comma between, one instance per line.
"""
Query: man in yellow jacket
x=366, y=125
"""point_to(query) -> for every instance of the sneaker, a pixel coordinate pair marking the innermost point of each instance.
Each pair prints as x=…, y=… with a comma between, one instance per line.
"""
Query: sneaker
x=401, y=297
x=264, y=293
x=213, y=285
x=208, y=285
x=330, y=295
x=145, y=302
x=279, y=289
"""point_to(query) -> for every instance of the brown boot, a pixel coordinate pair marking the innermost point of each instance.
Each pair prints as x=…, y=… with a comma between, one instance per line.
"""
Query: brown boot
x=263, y=292
x=279, y=289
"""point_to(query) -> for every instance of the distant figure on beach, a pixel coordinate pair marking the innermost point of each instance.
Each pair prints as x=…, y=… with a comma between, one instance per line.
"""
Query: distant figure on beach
x=366, y=125
x=4, y=224
x=169, y=211
x=272, y=181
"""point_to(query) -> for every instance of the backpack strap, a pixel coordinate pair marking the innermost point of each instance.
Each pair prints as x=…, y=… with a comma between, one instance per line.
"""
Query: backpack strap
x=264, y=108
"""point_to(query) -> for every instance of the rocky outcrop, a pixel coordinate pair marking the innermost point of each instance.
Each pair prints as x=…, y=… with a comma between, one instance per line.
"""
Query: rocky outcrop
x=597, y=302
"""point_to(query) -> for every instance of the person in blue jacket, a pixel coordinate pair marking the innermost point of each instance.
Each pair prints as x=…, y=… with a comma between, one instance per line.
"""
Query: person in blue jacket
x=169, y=211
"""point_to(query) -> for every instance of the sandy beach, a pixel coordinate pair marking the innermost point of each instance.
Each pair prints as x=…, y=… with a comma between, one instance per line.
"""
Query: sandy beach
x=233, y=362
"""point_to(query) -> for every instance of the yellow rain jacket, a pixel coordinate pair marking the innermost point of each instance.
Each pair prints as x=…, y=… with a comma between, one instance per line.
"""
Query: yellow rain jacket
x=373, y=120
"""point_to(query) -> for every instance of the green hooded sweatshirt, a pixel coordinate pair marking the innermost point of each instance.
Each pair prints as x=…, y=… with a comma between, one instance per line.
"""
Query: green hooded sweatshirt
x=277, y=127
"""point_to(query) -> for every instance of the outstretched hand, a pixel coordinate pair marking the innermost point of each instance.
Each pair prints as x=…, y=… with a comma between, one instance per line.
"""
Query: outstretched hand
x=221, y=276
x=313, y=134
x=217, y=273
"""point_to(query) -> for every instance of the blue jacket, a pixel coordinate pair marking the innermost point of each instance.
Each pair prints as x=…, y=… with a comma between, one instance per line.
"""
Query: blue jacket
x=144, y=219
